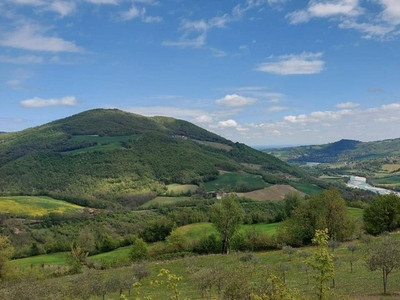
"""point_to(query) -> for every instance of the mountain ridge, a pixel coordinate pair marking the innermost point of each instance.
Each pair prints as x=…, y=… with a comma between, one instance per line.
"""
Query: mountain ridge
x=99, y=156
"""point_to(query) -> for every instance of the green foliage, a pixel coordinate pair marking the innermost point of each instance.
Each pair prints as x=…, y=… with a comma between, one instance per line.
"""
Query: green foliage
x=291, y=201
x=322, y=263
x=76, y=258
x=327, y=210
x=6, y=251
x=226, y=217
x=138, y=250
x=383, y=214
x=278, y=290
x=157, y=230
x=384, y=256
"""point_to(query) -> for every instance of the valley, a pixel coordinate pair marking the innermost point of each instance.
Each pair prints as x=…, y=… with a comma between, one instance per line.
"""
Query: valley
x=94, y=194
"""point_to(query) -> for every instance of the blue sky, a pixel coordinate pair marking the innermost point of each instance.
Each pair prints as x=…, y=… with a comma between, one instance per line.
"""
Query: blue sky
x=261, y=72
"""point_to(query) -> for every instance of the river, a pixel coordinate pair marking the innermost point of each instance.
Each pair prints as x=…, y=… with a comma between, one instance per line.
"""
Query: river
x=359, y=182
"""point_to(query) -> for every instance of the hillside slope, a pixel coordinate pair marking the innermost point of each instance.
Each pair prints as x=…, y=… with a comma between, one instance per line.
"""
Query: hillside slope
x=343, y=150
x=105, y=156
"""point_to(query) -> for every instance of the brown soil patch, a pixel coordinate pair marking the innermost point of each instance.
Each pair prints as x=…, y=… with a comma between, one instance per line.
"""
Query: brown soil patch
x=276, y=192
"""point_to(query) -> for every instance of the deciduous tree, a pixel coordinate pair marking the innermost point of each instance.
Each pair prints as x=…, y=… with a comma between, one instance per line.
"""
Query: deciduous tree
x=226, y=216
x=383, y=214
x=384, y=256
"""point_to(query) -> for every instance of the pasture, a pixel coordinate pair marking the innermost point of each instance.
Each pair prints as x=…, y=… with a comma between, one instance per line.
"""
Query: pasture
x=307, y=188
x=231, y=179
x=34, y=206
x=164, y=200
x=181, y=188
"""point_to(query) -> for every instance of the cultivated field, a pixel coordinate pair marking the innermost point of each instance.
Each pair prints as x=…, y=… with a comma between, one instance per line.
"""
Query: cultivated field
x=276, y=192
x=231, y=179
x=34, y=206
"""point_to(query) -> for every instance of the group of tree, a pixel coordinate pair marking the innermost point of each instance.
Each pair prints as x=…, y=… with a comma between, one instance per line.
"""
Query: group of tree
x=326, y=210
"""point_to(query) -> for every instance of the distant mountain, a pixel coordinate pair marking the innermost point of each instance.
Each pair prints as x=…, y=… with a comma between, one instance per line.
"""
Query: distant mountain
x=343, y=150
x=102, y=156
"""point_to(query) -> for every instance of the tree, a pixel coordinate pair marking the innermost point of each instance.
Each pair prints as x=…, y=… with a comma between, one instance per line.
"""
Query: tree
x=177, y=241
x=157, y=230
x=322, y=262
x=138, y=250
x=383, y=214
x=226, y=216
x=384, y=256
x=86, y=240
x=76, y=258
x=352, y=248
x=327, y=210
x=6, y=251
x=291, y=201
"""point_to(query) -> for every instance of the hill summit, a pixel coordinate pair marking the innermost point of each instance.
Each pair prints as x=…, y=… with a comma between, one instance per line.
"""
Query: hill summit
x=105, y=156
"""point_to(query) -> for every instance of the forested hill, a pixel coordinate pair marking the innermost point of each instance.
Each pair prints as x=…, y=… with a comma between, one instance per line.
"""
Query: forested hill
x=102, y=156
x=343, y=150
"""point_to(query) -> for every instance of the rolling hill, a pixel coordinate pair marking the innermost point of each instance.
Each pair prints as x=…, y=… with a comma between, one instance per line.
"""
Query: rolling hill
x=106, y=157
x=343, y=150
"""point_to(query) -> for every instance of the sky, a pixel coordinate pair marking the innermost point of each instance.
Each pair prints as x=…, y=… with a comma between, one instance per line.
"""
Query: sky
x=260, y=72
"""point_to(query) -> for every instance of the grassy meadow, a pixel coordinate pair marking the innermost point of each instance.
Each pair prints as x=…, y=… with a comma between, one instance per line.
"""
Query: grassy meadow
x=361, y=284
x=34, y=206
x=164, y=200
x=307, y=188
x=231, y=179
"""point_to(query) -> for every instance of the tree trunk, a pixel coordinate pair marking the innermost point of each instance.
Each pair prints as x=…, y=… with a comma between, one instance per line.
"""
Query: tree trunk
x=384, y=275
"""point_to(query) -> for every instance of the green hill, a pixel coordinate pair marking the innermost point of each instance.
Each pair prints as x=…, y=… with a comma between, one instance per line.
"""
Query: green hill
x=107, y=157
x=343, y=150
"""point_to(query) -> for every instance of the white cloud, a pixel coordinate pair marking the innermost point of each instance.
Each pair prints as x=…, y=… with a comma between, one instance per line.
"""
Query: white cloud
x=136, y=12
x=294, y=64
x=21, y=60
x=14, y=84
x=277, y=108
x=132, y=13
x=227, y=124
x=168, y=111
x=203, y=119
x=185, y=42
x=28, y=2
x=31, y=37
x=235, y=100
x=64, y=8
x=371, y=30
x=112, y=2
x=149, y=2
x=39, y=102
x=149, y=19
x=347, y=105
x=391, y=13
x=201, y=27
x=325, y=9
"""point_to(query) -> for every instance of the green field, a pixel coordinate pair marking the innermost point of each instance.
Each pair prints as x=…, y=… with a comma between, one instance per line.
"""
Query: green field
x=164, y=200
x=104, y=142
x=182, y=188
x=34, y=206
x=253, y=182
x=307, y=188
x=390, y=181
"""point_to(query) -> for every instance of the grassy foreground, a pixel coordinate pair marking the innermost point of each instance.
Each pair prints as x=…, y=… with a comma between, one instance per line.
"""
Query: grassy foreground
x=360, y=284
